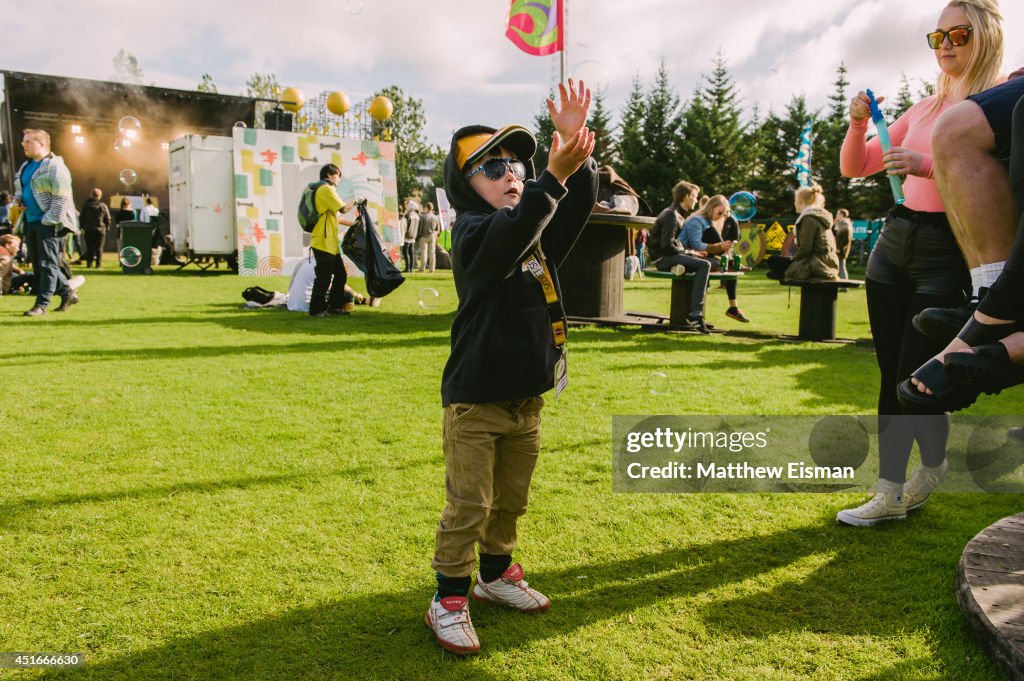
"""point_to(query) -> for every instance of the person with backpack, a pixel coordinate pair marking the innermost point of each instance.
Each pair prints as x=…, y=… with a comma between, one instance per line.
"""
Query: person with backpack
x=94, y=219
x=329, y=296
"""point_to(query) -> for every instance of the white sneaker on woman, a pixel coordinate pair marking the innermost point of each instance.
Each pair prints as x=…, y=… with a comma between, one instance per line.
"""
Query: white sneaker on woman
x=922, y=483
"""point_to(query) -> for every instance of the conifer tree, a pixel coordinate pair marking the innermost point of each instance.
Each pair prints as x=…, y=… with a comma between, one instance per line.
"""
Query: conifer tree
x=543, y=128
x=724, y=150
x=830, y=130
x=600, y=124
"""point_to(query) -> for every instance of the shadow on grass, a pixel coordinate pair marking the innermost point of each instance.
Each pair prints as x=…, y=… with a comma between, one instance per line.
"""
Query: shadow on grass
x=10, y=511
x=382, y=636
x=398, y=331
x=826, y=371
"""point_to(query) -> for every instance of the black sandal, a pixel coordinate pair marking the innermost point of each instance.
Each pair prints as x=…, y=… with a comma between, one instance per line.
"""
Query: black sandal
x=977, y=333
x=988, y=369
x=943, y=398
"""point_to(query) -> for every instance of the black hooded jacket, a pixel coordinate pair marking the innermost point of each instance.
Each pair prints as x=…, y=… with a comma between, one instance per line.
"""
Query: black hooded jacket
x=502, y=344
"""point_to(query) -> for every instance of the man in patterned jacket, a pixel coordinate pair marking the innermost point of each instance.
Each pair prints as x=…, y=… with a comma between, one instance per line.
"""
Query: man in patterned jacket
x=43, y=186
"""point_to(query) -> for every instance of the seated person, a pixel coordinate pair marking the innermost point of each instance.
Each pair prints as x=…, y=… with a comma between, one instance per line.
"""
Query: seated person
x=842, y=228
x=700, y=225
x=300, y=289
x=12, y=277
x=668, y=254
x=987, y=355
x=816, y=255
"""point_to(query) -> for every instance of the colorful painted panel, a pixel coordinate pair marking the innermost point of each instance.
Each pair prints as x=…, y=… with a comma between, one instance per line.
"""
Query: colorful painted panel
x=273, y=167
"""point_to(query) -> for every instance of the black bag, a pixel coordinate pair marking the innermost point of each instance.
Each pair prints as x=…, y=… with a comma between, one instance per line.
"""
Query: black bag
x=353, y=244
x=257, y=294
x=363, y=247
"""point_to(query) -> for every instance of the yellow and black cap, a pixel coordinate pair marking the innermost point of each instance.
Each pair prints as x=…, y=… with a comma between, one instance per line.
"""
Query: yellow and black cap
x=474, y=146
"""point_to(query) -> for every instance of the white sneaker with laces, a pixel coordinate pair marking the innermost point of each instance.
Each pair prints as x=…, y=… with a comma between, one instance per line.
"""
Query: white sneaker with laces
x=449, y=619
x=922, y=483
x=878, y=509
x=512, y=590
x=887, y=504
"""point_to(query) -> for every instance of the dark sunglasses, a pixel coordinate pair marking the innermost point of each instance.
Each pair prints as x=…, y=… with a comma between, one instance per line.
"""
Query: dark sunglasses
x=958, y=37
x=495, y=168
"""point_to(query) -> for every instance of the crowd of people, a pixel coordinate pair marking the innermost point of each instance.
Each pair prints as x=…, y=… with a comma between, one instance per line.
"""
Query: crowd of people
x=420, y=225
x=40, y=227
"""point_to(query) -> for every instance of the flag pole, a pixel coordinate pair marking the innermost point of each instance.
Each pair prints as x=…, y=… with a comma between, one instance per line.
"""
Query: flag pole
x=565, y=39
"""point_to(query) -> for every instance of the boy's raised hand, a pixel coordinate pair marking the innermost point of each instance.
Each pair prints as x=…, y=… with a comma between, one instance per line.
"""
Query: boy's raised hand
x=575, y=105
x=567, y=157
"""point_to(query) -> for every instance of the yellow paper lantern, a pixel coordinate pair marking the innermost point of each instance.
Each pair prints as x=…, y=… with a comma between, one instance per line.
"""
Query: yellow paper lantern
x=337, y=103
x=292, y=99
x=381, y=108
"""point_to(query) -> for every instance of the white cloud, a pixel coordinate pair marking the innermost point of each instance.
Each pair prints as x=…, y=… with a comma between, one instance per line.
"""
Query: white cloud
x=453, y=53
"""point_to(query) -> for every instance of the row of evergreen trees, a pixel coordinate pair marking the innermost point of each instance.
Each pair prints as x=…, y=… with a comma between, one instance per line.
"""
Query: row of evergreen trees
x=707, y=140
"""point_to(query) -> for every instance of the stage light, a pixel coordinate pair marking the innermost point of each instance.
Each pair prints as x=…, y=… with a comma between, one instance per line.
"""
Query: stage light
x=76, y=129
x=79, y=139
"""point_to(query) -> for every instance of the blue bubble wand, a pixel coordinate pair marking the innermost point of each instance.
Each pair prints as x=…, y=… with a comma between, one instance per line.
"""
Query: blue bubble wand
x=883, y=137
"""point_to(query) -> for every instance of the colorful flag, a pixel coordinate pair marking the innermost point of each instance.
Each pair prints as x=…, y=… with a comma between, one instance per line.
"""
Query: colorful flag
x=536, y=26
x=802, y=163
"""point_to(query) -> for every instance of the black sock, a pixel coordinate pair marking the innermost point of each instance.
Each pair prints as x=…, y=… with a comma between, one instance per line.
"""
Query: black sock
x=452, y=586
x=493, y=566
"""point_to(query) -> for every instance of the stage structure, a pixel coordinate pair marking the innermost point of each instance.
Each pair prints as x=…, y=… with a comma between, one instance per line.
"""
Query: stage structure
x=316, y=118
x=90, y=121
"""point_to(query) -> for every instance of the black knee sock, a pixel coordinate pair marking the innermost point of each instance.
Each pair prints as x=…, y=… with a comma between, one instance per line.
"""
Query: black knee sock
x=493, y=566
x=452, y=586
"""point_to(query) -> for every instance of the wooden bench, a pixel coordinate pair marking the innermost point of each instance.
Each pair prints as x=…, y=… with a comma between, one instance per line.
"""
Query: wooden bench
x=682, y=291
x=818, y=305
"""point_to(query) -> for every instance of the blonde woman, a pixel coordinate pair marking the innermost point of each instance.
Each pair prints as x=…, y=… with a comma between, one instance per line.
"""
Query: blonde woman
x=700, y=234
x=816, y=255
x=916, y=263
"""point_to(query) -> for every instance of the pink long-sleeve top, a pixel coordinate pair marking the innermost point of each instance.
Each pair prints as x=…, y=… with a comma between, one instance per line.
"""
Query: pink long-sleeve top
x=912, y=130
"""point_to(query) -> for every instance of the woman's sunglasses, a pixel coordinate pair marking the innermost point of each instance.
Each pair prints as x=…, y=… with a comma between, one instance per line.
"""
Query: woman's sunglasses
x=495, y=168
x=958, y=37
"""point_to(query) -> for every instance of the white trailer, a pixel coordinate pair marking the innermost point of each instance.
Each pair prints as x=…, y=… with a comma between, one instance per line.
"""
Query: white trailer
x=201, y=196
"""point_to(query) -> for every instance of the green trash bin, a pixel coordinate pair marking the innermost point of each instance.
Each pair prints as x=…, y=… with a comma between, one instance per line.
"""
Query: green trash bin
x=135, y=252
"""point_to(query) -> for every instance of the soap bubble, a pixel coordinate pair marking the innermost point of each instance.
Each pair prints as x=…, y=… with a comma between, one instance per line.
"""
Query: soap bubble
x=128, y=177
x=429, y=298
x=354, y=7
x=657, y=382
x=122, y=144
x=130, y=256
x=129, y=127
x=743, y=206
x=594, y=75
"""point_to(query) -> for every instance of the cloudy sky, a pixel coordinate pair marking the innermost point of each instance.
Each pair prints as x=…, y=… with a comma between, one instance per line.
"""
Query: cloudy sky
x=453, y=55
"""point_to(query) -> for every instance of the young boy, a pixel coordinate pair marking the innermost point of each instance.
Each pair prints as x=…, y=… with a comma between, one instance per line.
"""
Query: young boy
x=508, y=347
x=329, y=296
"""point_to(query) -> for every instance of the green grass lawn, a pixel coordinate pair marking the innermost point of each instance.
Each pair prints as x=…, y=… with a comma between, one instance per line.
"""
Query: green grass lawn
x=191, y=490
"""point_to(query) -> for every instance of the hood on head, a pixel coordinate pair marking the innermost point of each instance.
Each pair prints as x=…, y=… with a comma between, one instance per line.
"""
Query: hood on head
x=469, y=145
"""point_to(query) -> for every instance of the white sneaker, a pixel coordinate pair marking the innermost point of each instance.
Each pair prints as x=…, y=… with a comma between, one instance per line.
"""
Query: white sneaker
x=512, y=590
x=449, y=619
x=887, y=504
x=922, y=483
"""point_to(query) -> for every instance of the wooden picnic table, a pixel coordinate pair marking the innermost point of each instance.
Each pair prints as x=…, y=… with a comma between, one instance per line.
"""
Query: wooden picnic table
x=593, y=276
